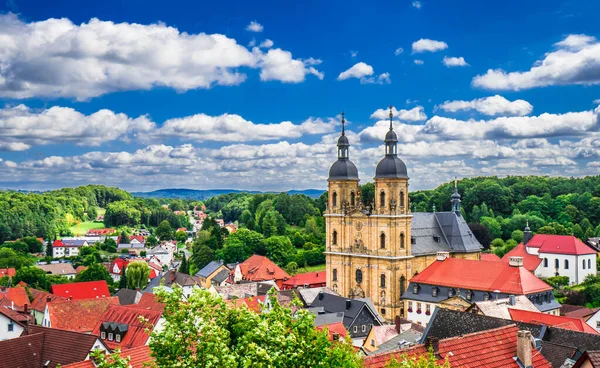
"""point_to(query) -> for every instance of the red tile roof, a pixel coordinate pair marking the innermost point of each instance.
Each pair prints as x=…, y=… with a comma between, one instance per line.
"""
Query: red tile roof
x=40, y=299
x=530, y=261
x=494, y=348
x=308, y=278
x=80, y=269
x=18, y=295
x=78, y=315
x=139, y=238
x=260, y=268
x=82, y=290
x=10, y=272
x=482, y=275
x=559, y=244
x=149, y=301
x=334, y=328
x=138, y=358
x=254, y=303
x=58, y=243
x=136, y=334
x=15, y=313
x=568, y=323
x=490, y=257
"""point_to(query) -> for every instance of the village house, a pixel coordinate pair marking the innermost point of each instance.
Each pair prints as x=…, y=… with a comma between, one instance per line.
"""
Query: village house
x=12, y=322
x=173, y=277
x=259, y=268
x=59, y=269
x=100, y=232
x=163, y=252
x=569, y=323
x=306, y=280
x=10, y=272
x=210, y=271
x=76, y=315
x=456, y=283
x=120, y=326
x=67, y=248
x=38, y=304
x=82, y=290
x=128, y=296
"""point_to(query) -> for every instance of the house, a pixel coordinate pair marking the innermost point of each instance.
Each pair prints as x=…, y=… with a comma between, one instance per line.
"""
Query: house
x=149, y=301
x=10, y=272
x=208, y=272
x=67, y=247
x=120, y=326
x=76, y=315
x=136, y=243
x=336, y=331
x=500, y=307
x=231, y=228
x=16, y=295
x=379, y=335
x=456, y=283
x=220, y=222
x=236, y=291
x=501, y=347
x=174, y=277
x=306, y=280
x=128, y=296
x=259, y=268
x=569, y=323
x=12, y=322
x=593, y=320
x=139, y=357
x=116, y=268
x=359, y=314
x=38, y=304
x=80, y=269
x=589, y=359
x=82, y=290
x=163, y=252
x=220, y=279
x=47, y=348
x=307, y=296
x=100, y=232
x=59, y=269
x=556, y=255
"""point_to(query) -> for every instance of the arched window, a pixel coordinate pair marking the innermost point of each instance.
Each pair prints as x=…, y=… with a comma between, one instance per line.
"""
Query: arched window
x=566, y=264
x=382, y=199
x=334, y=199
x=352, y=199
x=402, y=285
x=583, y=262
x=382, y=241
x=382, y=281
x=556, y=264
x=589, y=264
x=335, y=274
x=401, y=240
x=401, y=198
x=358, y=276
x=545, y=262
x=334, y=238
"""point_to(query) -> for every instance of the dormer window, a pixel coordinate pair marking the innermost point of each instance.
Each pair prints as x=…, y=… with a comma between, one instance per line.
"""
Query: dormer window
x=413, y=240
x=451, y=293
x=103, y=335
x=486, y=296
x=416, y=289
x=469, y=295
x=434, y=291
x=110, y=336
x=118, y=338
x=436, y=238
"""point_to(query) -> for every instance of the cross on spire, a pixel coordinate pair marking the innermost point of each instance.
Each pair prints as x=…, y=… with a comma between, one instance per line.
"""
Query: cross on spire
x=343, y=122
x=391, y=116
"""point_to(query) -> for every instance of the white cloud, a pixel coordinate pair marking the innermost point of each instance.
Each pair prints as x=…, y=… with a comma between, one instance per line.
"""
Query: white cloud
x=454, y=61
x=56, y=58
x=414, y=114
x=575, y=61
x=254, y=26
x=267, y=44
x=417, y=4
x=353, y=54
x=398, y=51
x=427, y=45
x=279, y=65
x=554, y=161
x=493, y=105
x=365, y=73
x=419, y=62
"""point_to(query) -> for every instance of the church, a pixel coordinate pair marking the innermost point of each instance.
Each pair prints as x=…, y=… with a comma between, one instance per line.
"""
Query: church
x=374, y=249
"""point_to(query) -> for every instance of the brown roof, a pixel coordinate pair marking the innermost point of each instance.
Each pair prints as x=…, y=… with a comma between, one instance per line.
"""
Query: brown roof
x=138, y=358
x=149, y=301
x=40, y=299
x=58, y=269
x=79, y=315
x=136, y=334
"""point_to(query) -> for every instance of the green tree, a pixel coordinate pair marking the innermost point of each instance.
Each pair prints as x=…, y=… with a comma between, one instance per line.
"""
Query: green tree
x=493, y=225
x=184, y=267
x=205, y=332
x=279, y=249
x=33, y=276
x=103, y=359
x=123, y=279
x=517, y=236
x=10, y=258
x=94, y=272
x=34, y=245
x=151, y=241
x=49, y=248
x=201, y=256
x=124, y=238
x=164, y=231
x=235, y=250
x=138, y=273
x=291, y=268
x=181, y=237
x=428, y=360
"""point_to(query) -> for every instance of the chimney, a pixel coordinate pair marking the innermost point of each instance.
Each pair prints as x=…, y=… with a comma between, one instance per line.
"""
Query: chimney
x=321, y=295
x=348, y=303
x=433, y=343
x=524, y=348
x=397, y=324
x=511, y=299
x=515, y=261
x=441, y=256
x=48, y=299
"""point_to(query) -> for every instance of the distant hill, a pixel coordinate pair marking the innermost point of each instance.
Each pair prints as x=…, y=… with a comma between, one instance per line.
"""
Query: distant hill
x=203, y=194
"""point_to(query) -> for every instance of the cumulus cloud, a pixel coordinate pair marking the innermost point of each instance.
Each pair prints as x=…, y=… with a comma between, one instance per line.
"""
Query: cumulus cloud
x=414, y=114
x=267, y=44
x=427, y=45
x=454, y=61
x=365, y=73
x=56, y=58
x=254, y=26
x=576, y=60
x=279, y=65
x=398, y=51
x=419, y=62
x=493, y=105
x=417, y=4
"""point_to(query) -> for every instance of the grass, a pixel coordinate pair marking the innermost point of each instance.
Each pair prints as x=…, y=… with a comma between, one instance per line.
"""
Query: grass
x=82, y=228
x=315, y=268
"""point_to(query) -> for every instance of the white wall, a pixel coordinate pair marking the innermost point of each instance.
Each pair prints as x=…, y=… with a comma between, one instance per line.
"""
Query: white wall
x=575, y=272
x=5, y=334
x=594, y=321
x=422, y=318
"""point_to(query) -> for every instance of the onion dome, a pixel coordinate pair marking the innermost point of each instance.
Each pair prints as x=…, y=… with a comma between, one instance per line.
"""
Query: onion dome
x=391, y=166
x=343, y=168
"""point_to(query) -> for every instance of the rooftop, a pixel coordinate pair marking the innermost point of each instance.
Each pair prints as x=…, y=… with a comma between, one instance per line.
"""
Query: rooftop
x=209, y=269
x=576, y=324
x=78, y=315
x=530, y=261
x=58, y=269
x=308, y=278
x=136, y=334
x=82, y=290
x=260, y=268
x=560, y=244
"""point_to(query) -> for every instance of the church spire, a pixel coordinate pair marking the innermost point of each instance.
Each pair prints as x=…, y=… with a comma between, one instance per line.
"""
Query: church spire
x=343, y=142
x=455, y=199
x=391, y=140
x=391, y=116
x=527, y=235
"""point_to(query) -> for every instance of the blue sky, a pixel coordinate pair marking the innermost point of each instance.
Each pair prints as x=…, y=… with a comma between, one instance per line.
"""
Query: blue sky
x=147, y=95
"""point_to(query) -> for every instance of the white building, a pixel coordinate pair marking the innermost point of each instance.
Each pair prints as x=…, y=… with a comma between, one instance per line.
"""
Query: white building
x=10, y=327
x=67, y=247
x=594, y=321
x=555, y=255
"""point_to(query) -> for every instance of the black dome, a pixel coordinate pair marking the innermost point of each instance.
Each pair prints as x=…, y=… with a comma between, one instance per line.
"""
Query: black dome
x=391, y=167
x=343, y=169
x=391, y=136
x=343, y=141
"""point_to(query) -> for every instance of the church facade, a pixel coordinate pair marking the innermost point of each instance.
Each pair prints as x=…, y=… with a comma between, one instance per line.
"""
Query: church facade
x=372, y=250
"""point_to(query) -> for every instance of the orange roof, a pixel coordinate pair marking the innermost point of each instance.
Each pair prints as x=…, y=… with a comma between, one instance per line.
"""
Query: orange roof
x=308, y=278
x=568, y=323
x=78, y=315
x=137, y=357
x=334, y=328
x=254, y=303
x=10, y=272
x=490, y=257
x=136, y=334
x=260, y=268
x=495, y=348
x=41, y=298
x=530, y=261
x=482, y=275
x=559, y=244
x=17, y=295
x=82, y=290
x=80, y=269
x=150, y=302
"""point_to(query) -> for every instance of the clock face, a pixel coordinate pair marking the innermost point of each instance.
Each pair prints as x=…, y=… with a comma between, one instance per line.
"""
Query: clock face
x=359, y=226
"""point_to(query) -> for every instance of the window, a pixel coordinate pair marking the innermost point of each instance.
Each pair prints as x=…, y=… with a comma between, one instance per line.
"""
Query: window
x=450, y=293
x=556, y=264
x=382, y=241
x=373, y=342
x=545, y=262
x=418, y=307
x=352, y=199
x=401, y=199
x=334, y=199
x=597, y=324
x=335, y=274
x=566, y=264
x=358, y=276
x=383, y=311
x=434, y=291
x=486, y=296
x=334, y=237
x=382, y=199
x=11, y=326
x=103, y=335
x=118, y=337
x=583, y=262
x=427, y=308
x=382, y=281
x=415, y=289
x=355, y=329
x=401, y=240
x=589, y=264
x=364, y=328
x=110, y=336
x=402, y=285
x=413, y=240
x=469, y=295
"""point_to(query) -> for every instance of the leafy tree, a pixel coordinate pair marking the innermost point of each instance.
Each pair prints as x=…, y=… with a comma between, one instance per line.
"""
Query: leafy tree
x=164, y=231
x=517, y=236
x=201, y=256
x=151, y=241
x=291, y=268
x=181, y=237
x=205, y=332
x=94, y=272
x=10, y=258
x=482, y=234
x=124, y=238
x=103, y=359
x=49, y=248
x=18, y=246
x=367, y=192
x=123, y=279
x=428, y=360
x=34, y=245
x=235, y=251
x=184, y=267
x=137, y=275
x=33, y=276
x=279, y=249
x=493, y=225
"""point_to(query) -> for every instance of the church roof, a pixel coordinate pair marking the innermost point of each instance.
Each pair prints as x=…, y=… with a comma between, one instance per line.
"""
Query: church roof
x=441, y=232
